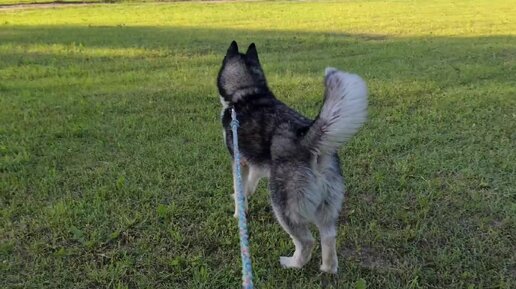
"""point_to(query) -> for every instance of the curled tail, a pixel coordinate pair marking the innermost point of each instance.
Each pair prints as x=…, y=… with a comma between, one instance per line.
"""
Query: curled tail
x=343, y=112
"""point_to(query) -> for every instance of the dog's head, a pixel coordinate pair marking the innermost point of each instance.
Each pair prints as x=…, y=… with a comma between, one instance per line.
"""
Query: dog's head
x=240, y=73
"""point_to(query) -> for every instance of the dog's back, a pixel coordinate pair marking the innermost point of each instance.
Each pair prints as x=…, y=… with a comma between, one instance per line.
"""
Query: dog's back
x=263, y=120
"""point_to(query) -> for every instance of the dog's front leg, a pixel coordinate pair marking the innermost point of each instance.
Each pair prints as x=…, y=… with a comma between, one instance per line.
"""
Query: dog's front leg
x=254, y=176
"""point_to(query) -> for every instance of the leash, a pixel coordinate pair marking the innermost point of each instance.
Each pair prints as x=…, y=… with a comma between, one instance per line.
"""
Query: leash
x=247, y=274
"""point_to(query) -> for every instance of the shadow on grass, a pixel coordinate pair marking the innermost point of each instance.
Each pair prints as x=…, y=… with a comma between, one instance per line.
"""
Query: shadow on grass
x=444, y=61
x=104, y=155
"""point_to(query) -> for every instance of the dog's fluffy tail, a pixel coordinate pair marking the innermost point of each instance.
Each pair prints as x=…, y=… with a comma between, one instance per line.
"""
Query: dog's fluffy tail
x=343, y=112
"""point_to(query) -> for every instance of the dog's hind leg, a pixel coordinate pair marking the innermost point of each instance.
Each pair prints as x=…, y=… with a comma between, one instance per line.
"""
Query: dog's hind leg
x=327, y=215
x=303, y=241
x=328, y=235
x=244, y=170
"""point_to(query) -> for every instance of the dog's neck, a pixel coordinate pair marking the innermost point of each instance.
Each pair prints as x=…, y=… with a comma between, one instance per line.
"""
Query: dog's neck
x=246, y=93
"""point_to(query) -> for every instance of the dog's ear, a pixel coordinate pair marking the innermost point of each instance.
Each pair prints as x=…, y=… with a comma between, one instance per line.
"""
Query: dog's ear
x=251, y=53
x=233, y=49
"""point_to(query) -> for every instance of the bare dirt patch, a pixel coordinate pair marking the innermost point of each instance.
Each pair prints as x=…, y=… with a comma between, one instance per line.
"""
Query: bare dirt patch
x=369, y=258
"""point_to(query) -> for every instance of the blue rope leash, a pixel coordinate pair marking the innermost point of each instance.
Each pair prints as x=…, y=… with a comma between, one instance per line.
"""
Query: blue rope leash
x=247, y=274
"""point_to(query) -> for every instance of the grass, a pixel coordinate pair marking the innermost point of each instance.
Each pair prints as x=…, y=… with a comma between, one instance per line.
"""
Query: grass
x=113, y=173
x=16, y=2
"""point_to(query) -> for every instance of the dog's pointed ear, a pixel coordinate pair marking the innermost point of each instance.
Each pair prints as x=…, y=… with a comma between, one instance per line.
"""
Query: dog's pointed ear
x=233, y=49
x=252, y=53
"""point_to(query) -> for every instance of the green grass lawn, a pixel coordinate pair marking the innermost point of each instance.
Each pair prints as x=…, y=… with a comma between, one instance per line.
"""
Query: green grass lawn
x=113, y=173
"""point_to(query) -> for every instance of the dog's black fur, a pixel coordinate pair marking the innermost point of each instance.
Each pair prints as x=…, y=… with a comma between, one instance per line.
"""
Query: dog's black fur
x=259, y=113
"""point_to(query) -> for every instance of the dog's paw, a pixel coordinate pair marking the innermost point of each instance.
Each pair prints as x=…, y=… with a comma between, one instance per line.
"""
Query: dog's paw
x=236, y=213
x=290, y=262
x=329, y=269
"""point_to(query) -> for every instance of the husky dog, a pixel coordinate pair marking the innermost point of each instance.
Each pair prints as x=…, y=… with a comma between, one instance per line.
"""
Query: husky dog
x=297, y=155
